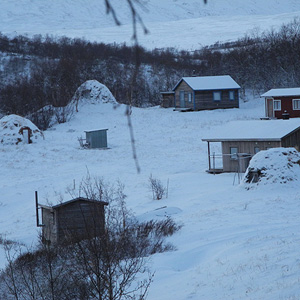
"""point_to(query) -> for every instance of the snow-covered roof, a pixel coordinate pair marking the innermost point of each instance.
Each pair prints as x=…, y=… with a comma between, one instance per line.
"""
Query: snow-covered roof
x=282, y=92
x=202, y=83
x=267, y=130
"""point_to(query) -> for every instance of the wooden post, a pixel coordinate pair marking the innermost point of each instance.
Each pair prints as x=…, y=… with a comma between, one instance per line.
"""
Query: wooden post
x=37, y=209
x=209, y=167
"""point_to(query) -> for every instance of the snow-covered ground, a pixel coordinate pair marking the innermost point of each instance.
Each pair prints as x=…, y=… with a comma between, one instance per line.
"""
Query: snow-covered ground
x=171, y=23
x=234, y=244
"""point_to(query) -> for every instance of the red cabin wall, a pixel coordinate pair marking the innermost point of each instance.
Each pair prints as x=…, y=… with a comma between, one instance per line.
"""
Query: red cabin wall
x=287, y=104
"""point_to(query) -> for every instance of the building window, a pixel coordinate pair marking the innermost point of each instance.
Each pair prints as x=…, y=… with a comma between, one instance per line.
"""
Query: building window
x=277, y=104
x=296, y=104
x=256, y=150
x=217, y=96
x=233, y=153
x=190, y=97
x=231, y=95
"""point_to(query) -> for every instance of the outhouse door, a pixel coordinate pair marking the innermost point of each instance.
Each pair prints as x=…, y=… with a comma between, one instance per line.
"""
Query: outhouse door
x=181, y=98
x=269, y=108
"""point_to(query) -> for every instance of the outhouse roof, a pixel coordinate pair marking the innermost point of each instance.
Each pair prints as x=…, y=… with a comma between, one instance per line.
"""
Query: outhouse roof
x=282, y=92
x=253, y=130
x=74, y=200
x=203, y=83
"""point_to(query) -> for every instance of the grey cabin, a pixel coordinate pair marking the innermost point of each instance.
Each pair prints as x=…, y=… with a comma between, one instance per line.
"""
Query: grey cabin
x=71, y=221
x=238, y=141
x=201, y=93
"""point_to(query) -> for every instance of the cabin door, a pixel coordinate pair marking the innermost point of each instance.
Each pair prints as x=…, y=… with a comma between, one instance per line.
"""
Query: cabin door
x=181, y=98
x=270, y=108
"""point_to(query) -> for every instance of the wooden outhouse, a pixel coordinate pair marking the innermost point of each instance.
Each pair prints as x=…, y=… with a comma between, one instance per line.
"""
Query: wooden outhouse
x=205, y=92
x=282, y=103
x=240, y=140
x=73, y=220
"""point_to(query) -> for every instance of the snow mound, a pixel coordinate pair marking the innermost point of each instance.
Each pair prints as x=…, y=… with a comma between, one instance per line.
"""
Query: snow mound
x=93, y=91
x=273, y=166
x=15, y=129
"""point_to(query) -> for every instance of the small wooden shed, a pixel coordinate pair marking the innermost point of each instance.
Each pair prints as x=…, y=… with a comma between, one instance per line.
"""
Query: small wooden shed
x=96, y=138
x=74, y=220
x=203, y=92
x=282, y=103
x=240, y=140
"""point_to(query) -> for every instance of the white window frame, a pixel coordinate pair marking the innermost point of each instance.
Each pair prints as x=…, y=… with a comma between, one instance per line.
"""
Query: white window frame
x=234, y=155
x=231, y=95
x=296, y=107
x=277, y=107
x=190, y=97
x=217, y=93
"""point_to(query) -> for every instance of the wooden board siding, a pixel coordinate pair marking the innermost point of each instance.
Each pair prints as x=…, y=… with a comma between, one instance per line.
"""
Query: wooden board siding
x=204, y=100
x=80, y=220
x=247, y=147
x=183, y=86
x=167, y=100
x=292, y=140
x=287, y=104
x=49, y=231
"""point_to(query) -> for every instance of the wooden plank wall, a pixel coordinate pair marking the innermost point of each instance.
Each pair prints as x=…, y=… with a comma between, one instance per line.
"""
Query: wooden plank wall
x=292, y=140
x=80, y=220
x=204, y=100
x=186, y=88
x=230, y=165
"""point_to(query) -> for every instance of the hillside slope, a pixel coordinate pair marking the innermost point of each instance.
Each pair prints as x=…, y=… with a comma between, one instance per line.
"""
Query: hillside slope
x=172, y=23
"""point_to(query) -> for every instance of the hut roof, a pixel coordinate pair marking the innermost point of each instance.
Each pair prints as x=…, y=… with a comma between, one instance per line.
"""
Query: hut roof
x=253, y=130
x=74, y=200
x=202, y=83
x=282, y=92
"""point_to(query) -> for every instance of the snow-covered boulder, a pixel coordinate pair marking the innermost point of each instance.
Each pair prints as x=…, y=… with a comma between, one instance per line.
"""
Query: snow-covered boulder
x=273, y=166
x=15, y=129
x=92, y=91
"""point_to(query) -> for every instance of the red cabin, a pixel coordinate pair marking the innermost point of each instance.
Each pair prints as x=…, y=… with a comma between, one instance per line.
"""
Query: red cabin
x=282, y=103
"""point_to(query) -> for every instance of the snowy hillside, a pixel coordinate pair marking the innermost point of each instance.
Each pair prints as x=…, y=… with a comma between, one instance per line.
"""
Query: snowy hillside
x=234, y=243
x=172, y=23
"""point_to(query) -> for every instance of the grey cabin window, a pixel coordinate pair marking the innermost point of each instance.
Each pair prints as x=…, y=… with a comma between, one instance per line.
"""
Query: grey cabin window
x=217, y=96
x=277, y=104
x=256, y=150
x=231, y=95
x=190, y=97
x=296, y=104
x=233, y=153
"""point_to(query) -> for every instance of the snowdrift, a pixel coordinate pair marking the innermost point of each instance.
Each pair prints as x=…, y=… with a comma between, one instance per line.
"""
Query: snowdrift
x=92, y=91
x=14, y=129
x=273, y=166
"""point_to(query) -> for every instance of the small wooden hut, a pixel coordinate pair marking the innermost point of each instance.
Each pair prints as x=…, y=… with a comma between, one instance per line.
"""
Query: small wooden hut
x=203, y=92
x=71, y=221
x=240, y=140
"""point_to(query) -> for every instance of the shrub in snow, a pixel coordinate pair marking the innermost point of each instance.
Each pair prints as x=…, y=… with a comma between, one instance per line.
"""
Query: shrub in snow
x=14, y=129
x=157, y=188
x=277, y=165
x=94, y=92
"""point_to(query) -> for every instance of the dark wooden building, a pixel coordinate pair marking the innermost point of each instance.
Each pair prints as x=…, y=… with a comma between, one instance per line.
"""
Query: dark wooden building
x=205, y=92
x=73, y=220
x=240, y=140
x=282, y=103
